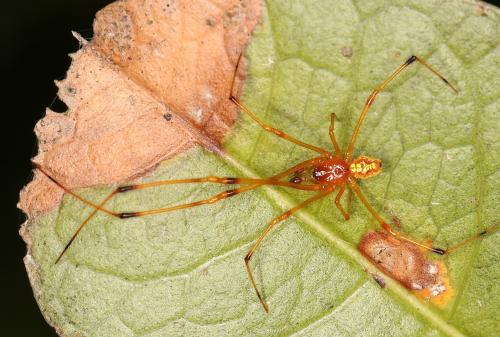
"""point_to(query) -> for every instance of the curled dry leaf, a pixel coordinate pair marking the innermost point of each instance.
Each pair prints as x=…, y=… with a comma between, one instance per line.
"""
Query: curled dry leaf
x=148, y=59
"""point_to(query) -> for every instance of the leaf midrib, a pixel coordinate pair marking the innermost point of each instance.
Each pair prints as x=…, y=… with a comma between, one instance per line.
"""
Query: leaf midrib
x=321, y=229
x=346, y=248
x=325, y=231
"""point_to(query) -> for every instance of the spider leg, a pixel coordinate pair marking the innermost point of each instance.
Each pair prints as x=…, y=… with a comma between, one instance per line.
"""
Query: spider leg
x=268, y=127
x=252, y=184
x=384, y=224
x=338, y=204
x=338, y=153
x=487, y=231
x=273, y=223
x=382, y=86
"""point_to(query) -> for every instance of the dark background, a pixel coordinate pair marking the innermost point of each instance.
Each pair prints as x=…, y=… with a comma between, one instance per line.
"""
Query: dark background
x=36, y=39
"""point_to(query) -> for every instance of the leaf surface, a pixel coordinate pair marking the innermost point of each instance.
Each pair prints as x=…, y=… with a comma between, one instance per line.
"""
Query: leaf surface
x=182, y=273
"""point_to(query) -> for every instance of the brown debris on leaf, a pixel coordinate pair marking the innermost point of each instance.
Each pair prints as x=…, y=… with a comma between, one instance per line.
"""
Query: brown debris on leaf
x=408, y=264
x=148, y=59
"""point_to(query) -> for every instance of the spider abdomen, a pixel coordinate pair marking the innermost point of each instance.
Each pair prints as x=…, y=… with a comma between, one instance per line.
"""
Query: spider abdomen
x=365, y=167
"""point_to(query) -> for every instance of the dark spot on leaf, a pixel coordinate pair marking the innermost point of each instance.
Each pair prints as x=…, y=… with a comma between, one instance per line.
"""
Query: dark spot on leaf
x=210, y=22
x=347, y=52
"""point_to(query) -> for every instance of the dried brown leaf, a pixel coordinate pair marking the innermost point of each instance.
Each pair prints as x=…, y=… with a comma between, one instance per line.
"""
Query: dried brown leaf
x=148, y=60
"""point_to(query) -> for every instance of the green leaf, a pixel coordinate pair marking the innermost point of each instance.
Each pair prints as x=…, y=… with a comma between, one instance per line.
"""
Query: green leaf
x=183, y=274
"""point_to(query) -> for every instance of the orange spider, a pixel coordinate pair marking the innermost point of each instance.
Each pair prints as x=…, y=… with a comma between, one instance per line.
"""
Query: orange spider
x=328, y=172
